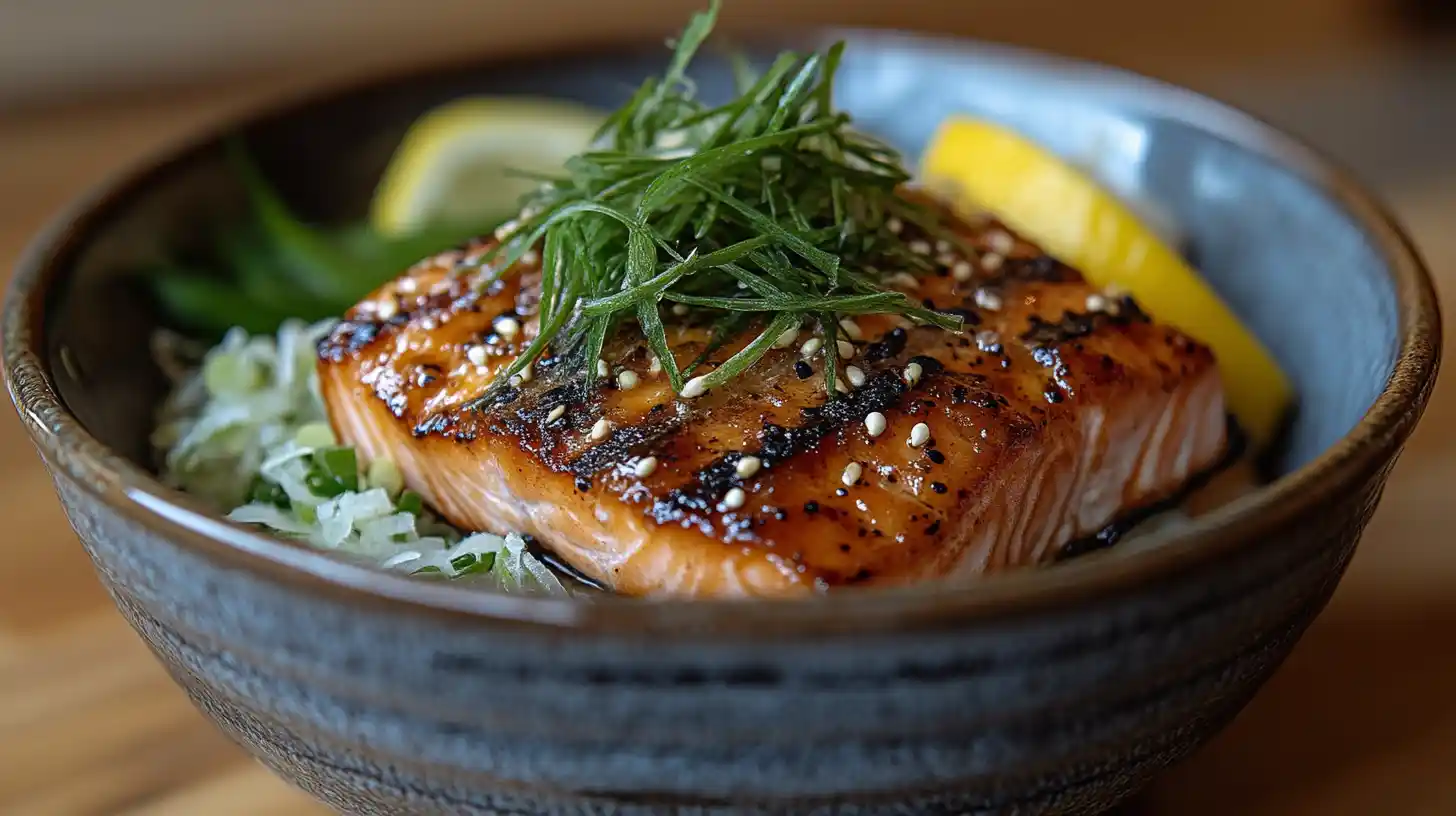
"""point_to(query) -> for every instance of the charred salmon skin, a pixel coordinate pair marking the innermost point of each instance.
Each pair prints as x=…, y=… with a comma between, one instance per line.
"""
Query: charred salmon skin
x=1058, y=409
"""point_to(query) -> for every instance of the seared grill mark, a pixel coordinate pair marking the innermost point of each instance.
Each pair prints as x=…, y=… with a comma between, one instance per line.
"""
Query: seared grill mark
x=624, y=443
x=1073, y=325
x=692, y=504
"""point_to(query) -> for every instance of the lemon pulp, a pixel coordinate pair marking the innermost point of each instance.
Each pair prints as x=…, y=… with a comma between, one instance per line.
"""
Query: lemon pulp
x=458, y=164
x=988, y=168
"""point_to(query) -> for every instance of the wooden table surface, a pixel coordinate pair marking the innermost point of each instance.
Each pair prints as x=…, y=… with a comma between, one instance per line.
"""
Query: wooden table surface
x=1362, y=719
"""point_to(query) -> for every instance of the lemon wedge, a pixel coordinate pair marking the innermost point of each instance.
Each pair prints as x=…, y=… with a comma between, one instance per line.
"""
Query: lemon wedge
x=456, y=164
x=988, y=168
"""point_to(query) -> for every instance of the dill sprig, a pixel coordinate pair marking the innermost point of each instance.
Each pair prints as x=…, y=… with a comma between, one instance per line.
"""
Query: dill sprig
x=768, y=211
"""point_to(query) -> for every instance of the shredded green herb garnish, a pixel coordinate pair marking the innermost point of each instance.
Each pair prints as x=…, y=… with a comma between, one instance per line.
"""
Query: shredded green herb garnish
x=769, y=210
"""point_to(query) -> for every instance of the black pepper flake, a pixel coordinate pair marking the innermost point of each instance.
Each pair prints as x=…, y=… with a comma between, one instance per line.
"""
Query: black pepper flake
x=933, y=528
x=939, y=487
x=811, y=506
x=583, y=483
x=958, y=395
x=935, y=456
x=803, y=370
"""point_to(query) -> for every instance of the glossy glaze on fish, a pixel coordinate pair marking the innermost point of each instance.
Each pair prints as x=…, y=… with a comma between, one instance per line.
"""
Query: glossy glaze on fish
x=1058, y=409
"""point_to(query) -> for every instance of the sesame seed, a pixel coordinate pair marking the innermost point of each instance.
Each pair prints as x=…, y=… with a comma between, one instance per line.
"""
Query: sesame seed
x=504, y=230
x=945, y=259
x=556, y=413
x=695, y=387
x=387, y=309
x=507, y=327
x=912, y=374
x=654, y=367
x=991, y=262
x=846, y=349
x=522, y=376
x=851, y=328
x=476, y=355
x=942, y=246
x=734, y=498
x=989, y=300
x=840, y=386
x=645, y=467
x=875, y=423
x=855, y=375
x=627, y=380
x=852, y=472
x=1000, y=242
x=679, y=309
x=1096, y=303
x=962, y=271
x=919, y=435
x=747, y=466
x=787, y=338
x=407, y=285
x=530, y=257
x=601, y=367
x=600, y=430
x=904, y=279
x=920, y=247
x=810, y=347
x=895, y=225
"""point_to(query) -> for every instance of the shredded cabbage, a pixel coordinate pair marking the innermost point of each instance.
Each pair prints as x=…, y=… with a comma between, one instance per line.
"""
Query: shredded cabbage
x=244, y=428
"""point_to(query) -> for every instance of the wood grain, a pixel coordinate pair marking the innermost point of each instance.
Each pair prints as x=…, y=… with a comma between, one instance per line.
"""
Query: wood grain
x=1361, y=720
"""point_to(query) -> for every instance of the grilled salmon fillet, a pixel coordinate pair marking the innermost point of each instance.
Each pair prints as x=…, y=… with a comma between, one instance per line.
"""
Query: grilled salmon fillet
x=1059, y=408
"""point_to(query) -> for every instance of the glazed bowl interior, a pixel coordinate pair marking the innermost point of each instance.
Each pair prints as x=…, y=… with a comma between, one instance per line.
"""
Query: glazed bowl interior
x=1311, y=264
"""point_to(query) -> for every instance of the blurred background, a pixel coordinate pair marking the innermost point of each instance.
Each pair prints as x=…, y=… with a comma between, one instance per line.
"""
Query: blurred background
x=1362, y=720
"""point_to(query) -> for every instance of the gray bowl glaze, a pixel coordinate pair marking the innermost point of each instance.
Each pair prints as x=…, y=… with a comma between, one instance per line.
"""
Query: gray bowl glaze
x=1054, y=691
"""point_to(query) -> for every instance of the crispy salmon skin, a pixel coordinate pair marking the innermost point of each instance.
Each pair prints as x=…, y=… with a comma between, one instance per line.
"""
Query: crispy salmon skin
x=1059, y=408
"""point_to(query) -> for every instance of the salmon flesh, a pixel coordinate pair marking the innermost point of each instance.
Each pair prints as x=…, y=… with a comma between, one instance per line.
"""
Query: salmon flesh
x=1059, y=409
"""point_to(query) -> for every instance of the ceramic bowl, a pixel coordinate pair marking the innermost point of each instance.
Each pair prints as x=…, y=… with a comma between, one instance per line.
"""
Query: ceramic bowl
x=1050, y=691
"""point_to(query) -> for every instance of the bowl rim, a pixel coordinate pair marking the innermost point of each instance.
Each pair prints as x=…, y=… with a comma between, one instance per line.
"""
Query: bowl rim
x=125, y=487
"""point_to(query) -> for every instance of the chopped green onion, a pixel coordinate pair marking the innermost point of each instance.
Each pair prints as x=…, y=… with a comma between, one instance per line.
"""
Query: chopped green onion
x=385, y=473
x=230, y=373
x=410, y=502
x=316, y=435
x=341, y=463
